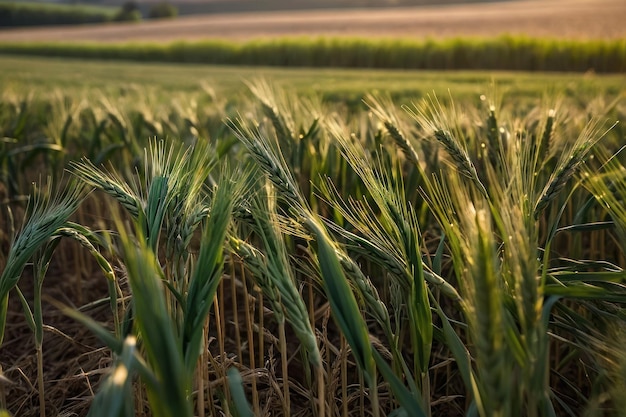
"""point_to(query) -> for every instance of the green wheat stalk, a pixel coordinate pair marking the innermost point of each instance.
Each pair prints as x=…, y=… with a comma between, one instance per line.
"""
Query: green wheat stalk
x=569, y=163
x=438, y=125
x=383, y=109
x=46, y=215
x=341, y=297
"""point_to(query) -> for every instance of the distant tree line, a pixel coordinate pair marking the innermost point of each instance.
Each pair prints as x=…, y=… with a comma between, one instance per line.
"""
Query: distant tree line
x=162, y=10
x=41, y=14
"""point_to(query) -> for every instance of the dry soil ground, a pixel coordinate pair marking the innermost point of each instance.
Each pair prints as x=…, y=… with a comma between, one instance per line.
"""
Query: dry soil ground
x=551, y=18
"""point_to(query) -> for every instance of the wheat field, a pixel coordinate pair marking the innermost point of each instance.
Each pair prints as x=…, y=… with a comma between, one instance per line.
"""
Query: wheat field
x=281, y=254
x=197, y=240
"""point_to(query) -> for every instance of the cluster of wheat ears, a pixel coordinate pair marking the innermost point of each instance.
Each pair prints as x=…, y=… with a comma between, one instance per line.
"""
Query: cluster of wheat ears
x=429, y=260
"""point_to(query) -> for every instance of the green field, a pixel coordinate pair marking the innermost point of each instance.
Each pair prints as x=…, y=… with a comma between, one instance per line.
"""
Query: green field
x=193, y=240
x=518, y=53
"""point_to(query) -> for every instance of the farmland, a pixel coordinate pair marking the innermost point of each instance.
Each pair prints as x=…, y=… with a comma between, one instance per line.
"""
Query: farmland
x=206, y=240
x=110, y=120
x=576, y=19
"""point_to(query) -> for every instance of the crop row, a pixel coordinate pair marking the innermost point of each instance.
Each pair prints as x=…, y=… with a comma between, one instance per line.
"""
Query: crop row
x=502, y=53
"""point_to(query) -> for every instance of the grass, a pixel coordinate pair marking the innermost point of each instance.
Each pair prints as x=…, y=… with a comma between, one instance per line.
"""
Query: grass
x=309, y=255
x=115, y=78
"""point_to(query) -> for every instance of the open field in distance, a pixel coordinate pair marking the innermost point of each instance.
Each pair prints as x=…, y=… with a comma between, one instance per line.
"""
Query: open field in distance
x=574, y=19
x=187, y=7
x=112, y=77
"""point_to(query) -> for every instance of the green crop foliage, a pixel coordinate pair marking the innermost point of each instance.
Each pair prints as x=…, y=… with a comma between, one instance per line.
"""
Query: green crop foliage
x=283, y=252
x=514, y=53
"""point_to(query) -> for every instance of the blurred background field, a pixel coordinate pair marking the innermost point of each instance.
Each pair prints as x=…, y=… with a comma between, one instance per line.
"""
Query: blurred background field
x=565, y=19
x=526, y=35
x=76, y=76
